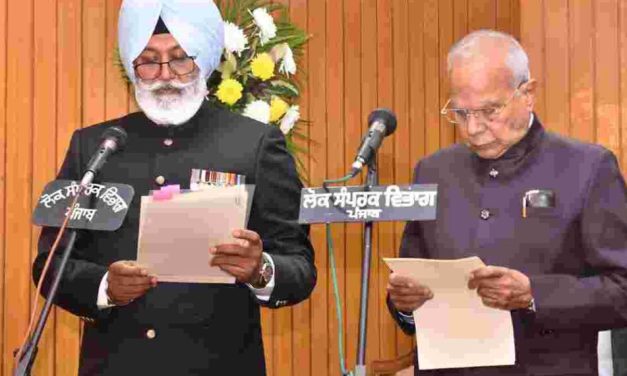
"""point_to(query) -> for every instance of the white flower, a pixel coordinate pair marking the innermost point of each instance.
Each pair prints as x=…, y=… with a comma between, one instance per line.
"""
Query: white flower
x=258, y=110
x=265, y=23
x=288, y=65
x=234, y=39
x=289, y=119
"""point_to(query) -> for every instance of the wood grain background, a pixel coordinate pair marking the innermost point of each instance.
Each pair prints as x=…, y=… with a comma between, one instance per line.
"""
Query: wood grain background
x=57, y=73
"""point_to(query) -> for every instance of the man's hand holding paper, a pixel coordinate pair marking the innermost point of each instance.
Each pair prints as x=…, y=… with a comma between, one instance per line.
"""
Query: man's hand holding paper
x=240, y=258
x=501, y=287
x=128, y=281
x=407, y=293
x=441, y=298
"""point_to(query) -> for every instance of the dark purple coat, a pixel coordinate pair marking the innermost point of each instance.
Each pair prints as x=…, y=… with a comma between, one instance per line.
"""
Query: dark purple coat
x=574, y=253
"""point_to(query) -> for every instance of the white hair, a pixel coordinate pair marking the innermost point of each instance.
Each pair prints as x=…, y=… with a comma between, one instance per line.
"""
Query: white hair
x=469, y=47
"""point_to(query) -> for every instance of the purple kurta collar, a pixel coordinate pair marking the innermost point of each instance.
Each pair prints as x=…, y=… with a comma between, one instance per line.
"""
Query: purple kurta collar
x=515, y=157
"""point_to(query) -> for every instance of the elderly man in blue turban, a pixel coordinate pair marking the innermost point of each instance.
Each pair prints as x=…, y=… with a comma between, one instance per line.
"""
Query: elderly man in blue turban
x=136, y=324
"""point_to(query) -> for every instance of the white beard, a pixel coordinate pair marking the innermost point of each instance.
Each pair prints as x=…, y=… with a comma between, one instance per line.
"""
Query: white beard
x=170, y=109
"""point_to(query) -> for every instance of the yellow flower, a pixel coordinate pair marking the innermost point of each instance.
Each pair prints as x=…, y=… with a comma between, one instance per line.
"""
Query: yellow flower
x=278, y=107
x=229, y=91
x=262, y=66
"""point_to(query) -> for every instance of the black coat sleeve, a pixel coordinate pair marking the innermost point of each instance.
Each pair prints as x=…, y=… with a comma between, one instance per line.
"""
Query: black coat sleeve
x=274, y=215
x=411, y=246
x=78, y=289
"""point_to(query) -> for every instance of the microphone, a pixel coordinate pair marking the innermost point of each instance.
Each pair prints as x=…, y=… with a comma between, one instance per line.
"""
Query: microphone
x=113, y=139
x=382, y=123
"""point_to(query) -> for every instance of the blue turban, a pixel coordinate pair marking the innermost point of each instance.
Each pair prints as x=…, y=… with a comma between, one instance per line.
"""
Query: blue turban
x=196, y=25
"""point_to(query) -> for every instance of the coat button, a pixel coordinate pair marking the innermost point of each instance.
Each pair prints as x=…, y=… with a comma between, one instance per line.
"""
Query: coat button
x=160, y=180
x=151, y=334
x=168, y=142
x=493, y=173
x=485, y=214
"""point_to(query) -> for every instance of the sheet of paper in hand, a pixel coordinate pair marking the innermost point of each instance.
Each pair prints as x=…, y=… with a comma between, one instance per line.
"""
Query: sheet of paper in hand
x=455, y=329
x=177, y=230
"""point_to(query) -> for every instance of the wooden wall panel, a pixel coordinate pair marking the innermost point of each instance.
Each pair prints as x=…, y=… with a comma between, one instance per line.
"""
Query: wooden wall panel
x=317, y=72
x=318, y=62
x=116, y=89
x=445, y=40
x=3, y=171
x=557, y=101
x=302, y=333
x=417, y=95
x=581, y=72
x=69, y=15
x=44, y=156
x=336, y=165
x=623, y=82
x=578, y=55
x=19, y=118
x=94, y=61
x=432, y=60
x=416, y=128
x=607, y=85
x=403, y=165
x=532, y=29
x=353, y=235
x=283, y=348
x=58, y=73
x=371, y=40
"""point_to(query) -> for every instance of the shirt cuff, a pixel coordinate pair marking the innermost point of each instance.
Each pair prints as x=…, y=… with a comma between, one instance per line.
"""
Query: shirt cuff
x=408, y=319
x=103, y=298
x=264, y=293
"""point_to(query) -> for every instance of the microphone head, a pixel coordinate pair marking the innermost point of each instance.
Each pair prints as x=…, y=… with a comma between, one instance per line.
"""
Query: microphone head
x=384, y=116
x=117, y=135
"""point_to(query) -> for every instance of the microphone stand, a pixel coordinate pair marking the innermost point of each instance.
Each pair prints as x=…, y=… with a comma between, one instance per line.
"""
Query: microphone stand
x=360, y=368
x=114, y=139
x=25, y=363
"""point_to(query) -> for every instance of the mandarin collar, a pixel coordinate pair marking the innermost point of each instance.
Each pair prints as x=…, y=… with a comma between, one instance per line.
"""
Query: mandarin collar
x=514, y=158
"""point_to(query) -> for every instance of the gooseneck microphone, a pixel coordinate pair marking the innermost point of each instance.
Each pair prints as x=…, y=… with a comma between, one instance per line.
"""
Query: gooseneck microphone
x=113, y=139
x=382, y=123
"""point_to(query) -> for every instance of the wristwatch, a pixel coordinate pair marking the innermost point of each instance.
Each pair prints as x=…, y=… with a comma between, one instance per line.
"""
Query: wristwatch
x=265, y=273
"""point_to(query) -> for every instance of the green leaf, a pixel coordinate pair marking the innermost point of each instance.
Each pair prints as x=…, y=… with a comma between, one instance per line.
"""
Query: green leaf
x=302, y=170
x=299, y=135
x=228, y=66
x=284, y=86
x=299, y=149
x=282, y=92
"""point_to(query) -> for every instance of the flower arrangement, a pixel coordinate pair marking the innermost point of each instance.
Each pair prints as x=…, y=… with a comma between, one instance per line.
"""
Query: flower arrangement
x=256, y=76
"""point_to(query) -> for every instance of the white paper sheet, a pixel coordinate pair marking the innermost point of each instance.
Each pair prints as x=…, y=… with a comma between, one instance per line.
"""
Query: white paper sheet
x=175, y=234
x=455, y=329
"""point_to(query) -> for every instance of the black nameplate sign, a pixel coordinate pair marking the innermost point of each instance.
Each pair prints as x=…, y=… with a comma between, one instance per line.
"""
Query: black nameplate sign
x=415, y=202
x=99, y=206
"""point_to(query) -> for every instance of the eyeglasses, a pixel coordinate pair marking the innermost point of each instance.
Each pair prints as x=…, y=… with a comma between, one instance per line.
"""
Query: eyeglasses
x=485, y=114
x=180, y=66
